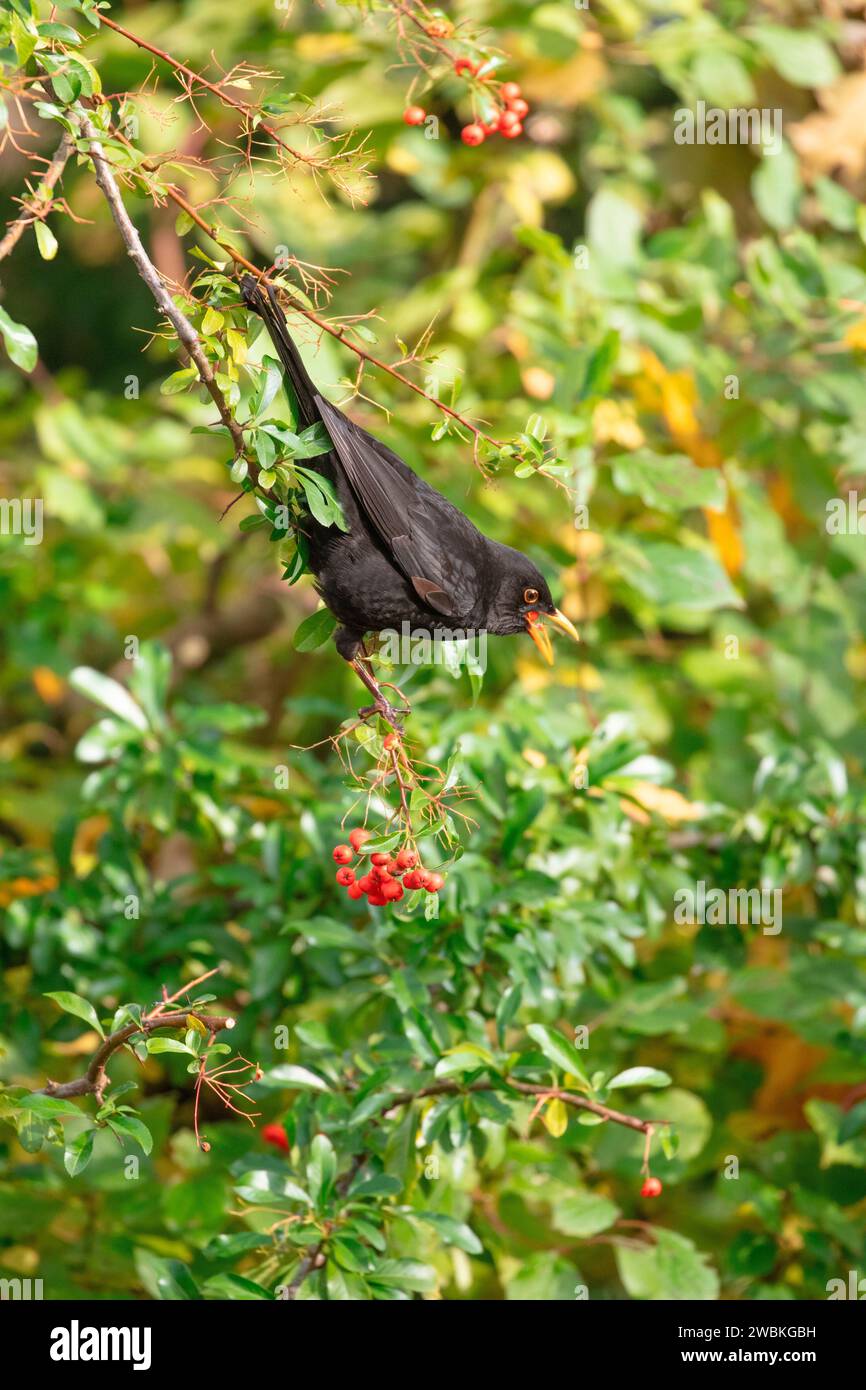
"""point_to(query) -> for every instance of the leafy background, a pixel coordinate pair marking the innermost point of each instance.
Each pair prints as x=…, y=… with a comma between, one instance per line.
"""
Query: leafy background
x=716, y=703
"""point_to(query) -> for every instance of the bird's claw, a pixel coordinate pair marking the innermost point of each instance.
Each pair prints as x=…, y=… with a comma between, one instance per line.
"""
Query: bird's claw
x=387, y=712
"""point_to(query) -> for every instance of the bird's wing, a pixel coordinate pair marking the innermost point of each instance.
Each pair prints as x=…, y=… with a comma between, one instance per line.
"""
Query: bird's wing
x=432, y=542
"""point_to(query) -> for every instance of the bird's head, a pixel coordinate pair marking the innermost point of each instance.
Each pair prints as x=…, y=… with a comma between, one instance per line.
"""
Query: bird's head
x=523, y=603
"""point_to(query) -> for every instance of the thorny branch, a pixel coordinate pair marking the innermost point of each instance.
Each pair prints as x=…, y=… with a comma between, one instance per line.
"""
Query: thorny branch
x=40, y=202
x=162, y=1015
x=186, y=334
x=315, y=1259
x=252, y=116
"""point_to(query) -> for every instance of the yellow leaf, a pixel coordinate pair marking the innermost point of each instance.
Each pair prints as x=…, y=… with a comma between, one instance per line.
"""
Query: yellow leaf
x=855, y=336
x=49, y=686
x=555, y=1118
x=666, y=802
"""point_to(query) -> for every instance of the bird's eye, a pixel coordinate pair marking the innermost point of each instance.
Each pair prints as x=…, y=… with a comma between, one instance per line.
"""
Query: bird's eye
x=530, y=595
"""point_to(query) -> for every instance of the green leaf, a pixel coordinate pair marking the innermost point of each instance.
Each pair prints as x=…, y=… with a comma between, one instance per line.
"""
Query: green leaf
x=558, y=1049
x=109, y=693
x=46, y=241
x=156, y=1045
x=671, y=1269
x=321, y=1169
x=803, y=58
x=777, y=188
x=639, y=1076
x=853, y=1122
x=79, y=1152
x=669, y=482
x=314, y=631
x=20, y=342
x=130, y=1127
x=74, y=1004
x=584, y=1214
x=48, y=1107
x=453, y=1232
x=674, y=577
x=405, y=1274
x=296, y=1077
x=178, y=381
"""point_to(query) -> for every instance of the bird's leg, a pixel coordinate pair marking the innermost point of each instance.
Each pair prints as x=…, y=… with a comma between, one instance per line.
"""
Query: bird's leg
x=381, y=704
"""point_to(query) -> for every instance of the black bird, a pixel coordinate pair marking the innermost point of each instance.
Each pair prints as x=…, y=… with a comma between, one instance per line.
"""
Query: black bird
x=409, y=554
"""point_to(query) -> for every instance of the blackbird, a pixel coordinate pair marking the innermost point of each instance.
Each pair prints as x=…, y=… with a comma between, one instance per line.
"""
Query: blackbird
x=409, y=555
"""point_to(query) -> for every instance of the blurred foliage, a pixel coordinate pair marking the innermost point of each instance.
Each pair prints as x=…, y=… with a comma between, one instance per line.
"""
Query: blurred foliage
x=690, y=323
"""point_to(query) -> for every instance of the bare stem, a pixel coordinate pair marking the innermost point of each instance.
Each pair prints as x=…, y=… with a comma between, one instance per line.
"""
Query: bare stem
x=183, y=328
x=95, y=1080
x=35, y=208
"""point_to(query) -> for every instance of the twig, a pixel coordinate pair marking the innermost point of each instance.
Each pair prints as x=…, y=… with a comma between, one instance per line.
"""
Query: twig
x=183, y=328
x=340, y=334
x=36, y=208
x=249, y=112
x=95, y=1080
x=452, y=1088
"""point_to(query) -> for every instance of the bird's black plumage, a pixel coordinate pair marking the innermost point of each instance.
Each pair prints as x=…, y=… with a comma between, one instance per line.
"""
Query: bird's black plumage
x=409, y=554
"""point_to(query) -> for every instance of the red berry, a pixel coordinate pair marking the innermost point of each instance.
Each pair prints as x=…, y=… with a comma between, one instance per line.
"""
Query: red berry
x=392, y=891
x=491, y=126
x=433, y=882
x=414, y=115
x=379, y=858
x=512, y=131
x=410, y=880
x=508, y=119
x=510, y=91
x=343, y=854
x=652, y=1188
x=473, y=134
x=465, y=65
x=519, y=107
x=345, y=876
x=390, y=741
x=376, y=900
x=355, y=890
x=368, y=884
x=276, y=1135
x=407, y=859
x=358, y=837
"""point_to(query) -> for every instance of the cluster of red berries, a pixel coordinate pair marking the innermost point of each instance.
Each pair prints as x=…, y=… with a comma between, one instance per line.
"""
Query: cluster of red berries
x=652, y=1187
x=387, y=877
x=507, y=122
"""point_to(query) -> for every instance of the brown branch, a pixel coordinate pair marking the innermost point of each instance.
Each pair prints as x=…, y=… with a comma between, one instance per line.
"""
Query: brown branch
x=95, y=1080
x=41, y=201
x=186, y=334
x=453, y=1088
x=528, y=1088
x=249, y=112
x=338, y=333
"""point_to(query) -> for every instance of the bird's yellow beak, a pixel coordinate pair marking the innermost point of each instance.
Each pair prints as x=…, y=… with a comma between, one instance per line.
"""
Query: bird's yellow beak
x=541, y=637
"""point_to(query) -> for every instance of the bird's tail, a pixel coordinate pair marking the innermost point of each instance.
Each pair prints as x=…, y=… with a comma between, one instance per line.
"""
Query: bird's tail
x=268, y=308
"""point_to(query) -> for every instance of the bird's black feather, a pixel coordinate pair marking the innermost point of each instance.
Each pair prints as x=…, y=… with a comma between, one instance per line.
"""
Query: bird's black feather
x=409, y=556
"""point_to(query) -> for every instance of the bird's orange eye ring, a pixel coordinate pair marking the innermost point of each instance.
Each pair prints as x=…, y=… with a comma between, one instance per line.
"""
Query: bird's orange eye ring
x=530, y=595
